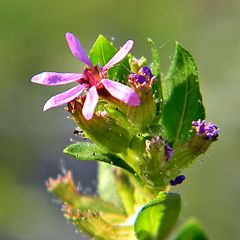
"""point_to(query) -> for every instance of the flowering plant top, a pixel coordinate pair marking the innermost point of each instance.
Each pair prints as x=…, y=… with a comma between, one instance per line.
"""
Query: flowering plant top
x=146, y=127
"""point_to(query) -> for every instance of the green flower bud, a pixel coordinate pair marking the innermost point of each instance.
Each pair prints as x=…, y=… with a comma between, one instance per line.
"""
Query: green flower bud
x=136, y=64
x=143, y=115
x=158, y=154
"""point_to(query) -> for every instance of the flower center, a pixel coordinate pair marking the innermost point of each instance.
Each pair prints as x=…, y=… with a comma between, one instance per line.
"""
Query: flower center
x=93, y=76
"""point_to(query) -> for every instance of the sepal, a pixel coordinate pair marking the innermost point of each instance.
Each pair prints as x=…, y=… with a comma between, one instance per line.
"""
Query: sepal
x=102, y=129
x=136, y=64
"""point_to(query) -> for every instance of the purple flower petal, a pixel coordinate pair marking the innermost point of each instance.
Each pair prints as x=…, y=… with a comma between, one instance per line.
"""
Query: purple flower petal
x=119, y=56
x=53, y=79
x=168, y=151
x=121, y=92
x=178, y=180
x=146, y=70
x=64, y=97
x=90, y=103
x=77, y=49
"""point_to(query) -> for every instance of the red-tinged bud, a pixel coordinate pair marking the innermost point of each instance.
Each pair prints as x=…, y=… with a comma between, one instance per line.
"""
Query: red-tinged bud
x=63, y=187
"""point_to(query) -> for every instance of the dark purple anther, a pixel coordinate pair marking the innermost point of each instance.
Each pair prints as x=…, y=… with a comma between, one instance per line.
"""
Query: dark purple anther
x=146, y=70
x=178, y=180
x=168, y=151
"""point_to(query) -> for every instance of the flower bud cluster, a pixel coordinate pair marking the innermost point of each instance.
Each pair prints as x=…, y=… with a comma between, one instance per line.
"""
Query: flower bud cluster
x=143, y=78
x=144, y=114
x=126, y=118
x=208, y=130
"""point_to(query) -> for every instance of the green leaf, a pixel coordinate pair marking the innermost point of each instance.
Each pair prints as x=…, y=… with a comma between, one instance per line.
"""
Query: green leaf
x=190, y=231
x=157, y=218
x=101, y=52
x=157, y=86
x=125, y=190
x=182, y=97
x=105, y=180
x=89, y=151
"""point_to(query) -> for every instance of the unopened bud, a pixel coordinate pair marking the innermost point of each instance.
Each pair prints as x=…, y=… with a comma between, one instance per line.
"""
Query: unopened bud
x=142, y=115
x=158, y=154
x=136, y=64
x=63, y=187
x=177, y=180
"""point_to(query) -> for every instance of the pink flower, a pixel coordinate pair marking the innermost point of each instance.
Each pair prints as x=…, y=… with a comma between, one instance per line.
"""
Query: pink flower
x=91, y=83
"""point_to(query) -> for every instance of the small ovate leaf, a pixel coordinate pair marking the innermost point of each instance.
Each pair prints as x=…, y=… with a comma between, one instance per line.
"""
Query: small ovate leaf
x=157, y=218
x=182, y=97
x=191, y=231
x=89, y=151
x=156, y=71
x=101, y=52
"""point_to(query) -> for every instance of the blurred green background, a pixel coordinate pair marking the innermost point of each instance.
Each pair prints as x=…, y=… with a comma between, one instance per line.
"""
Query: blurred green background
x=32, y=40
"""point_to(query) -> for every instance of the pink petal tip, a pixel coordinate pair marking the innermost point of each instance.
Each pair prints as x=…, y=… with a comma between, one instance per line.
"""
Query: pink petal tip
x=77, y=49
x=119, y=56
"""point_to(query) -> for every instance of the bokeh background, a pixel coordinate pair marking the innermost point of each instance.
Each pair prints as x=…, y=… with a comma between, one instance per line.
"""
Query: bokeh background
x=31, y=142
